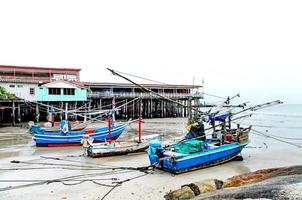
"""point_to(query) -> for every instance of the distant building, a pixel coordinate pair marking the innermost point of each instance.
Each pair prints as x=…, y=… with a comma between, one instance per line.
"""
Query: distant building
x=100, y=95
x=61, y=91
x=24, y=81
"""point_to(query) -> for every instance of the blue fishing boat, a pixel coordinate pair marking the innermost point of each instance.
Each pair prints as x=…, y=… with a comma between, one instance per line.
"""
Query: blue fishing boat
x=65, y=126
x=74, y=138
x=192, y=154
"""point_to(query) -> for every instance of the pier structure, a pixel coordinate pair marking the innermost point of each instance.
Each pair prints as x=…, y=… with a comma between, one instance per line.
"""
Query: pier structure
x=24, y=82
x=36, y=87
x=101, y=96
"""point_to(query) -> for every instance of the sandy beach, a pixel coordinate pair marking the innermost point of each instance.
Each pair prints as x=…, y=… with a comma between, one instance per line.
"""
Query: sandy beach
x=16, y=144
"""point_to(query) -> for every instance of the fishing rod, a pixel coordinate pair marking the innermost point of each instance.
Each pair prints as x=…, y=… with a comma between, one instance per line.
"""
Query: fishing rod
x=230, y=98
x=227, y=101
x=259, y=106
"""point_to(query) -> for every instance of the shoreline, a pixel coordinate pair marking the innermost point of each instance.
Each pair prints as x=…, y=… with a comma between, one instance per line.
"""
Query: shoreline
x=153, y=186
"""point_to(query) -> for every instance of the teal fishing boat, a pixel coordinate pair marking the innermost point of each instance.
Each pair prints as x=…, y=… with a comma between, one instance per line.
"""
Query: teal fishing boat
x=194, y=154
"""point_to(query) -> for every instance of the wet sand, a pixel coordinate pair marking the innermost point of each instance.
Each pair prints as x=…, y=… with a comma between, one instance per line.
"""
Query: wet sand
x=16, y=144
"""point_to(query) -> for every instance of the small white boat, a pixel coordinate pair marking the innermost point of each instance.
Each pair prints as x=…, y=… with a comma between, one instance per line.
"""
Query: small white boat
x=119, y=147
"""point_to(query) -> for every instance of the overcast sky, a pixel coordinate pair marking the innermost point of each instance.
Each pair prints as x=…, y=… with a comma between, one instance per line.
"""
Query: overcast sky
x=251, y=47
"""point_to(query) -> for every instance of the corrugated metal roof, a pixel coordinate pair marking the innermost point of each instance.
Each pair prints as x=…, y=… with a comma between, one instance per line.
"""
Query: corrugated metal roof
x=38, y=68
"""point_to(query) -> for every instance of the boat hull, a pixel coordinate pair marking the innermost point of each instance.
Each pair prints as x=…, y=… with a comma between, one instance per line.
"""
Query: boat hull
x=114, y=150
x=75, y=140
x=203, y=159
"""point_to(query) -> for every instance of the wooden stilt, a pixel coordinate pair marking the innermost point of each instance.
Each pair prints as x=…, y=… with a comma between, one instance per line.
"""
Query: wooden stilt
x=190, y=110
x=133, y=108
x=66, y=111
x=109, y=129
x=140, y=130
x=37, y=113
x=126, y=109
x=75, y=108
x=89, y=108
x=151, y=108
x=162, y=108
x=100, y=107
x=13, y=113
x=19, y=113
x=141, y=108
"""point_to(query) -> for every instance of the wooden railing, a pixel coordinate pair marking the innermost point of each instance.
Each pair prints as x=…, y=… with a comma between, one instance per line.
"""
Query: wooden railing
x=141, y=94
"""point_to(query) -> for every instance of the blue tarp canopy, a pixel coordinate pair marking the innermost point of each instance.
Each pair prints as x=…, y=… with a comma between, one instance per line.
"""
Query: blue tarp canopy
x=218, y=117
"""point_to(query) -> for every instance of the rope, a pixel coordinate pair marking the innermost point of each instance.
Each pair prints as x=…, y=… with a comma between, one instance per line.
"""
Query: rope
x=275, y=138
x=142, y=78
x=118, y=184
x=212, y=95
x=69, y=178
x=39, y=180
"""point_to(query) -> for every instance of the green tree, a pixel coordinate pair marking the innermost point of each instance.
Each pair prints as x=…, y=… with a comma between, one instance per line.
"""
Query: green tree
x=6, y=94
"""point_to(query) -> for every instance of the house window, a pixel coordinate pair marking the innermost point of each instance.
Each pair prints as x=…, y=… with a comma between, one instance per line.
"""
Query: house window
x=31, y=91
x=12, y=86
x=69, y=91
x=20, y=86
x=54, y=91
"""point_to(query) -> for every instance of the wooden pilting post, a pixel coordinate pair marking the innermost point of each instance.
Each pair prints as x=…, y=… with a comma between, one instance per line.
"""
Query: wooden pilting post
x=89, y=108
x=37, y=113
x=75, y=108
x=100, y=107
x=109, y=129
x=141, y=107
x=66, y=111
x=186, y=109
x=148, y=108
x=151, y=108
x=61, y=104
x=190, y=110
x=140, y=130
x=126, y=109
x=13, y=113
x=162, y=108
x=155, y=107
x=19, y=113
x=133, y=107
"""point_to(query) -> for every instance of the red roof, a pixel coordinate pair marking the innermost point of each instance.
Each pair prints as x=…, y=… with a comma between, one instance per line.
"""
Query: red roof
x=38, y=68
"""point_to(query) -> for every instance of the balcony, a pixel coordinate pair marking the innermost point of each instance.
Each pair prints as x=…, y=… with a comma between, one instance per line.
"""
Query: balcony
x=25, y=79
x=97, y=95
x=29, y=79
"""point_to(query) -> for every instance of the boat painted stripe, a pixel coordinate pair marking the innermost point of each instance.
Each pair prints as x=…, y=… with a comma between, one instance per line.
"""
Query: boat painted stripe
x=92, y=134
x=75, y=138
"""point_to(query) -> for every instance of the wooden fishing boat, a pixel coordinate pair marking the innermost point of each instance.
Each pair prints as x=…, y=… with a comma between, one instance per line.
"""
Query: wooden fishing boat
x=109, y=148
x=119, y=147
x=37, y=129
x=199, y=154
x=116, y=148
x=74, y=138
